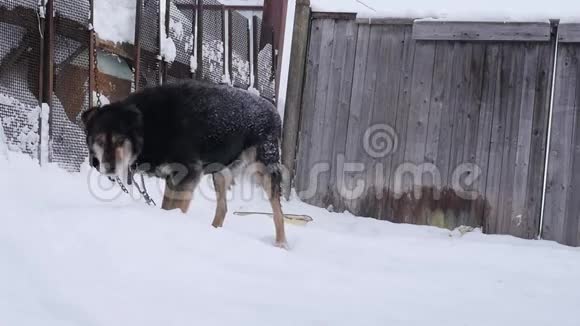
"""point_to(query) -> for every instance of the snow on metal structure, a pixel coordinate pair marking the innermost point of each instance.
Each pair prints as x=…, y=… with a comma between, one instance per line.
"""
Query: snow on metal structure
x=19, y=75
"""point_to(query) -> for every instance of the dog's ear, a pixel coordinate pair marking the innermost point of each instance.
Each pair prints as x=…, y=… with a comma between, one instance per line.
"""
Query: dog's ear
x=88, y=115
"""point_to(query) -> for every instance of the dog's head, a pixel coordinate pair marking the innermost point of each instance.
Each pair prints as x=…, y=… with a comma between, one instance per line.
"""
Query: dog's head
x=114, y=137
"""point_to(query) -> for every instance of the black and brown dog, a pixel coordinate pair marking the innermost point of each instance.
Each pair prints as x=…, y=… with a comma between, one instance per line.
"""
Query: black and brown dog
x=181, y=131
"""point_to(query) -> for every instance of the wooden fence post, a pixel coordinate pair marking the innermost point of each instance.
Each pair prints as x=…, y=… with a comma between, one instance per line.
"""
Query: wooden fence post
x=294, y=92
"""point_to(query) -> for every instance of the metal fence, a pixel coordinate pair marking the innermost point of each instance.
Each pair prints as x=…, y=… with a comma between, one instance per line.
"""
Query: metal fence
x=50, y=58
x=20, y=46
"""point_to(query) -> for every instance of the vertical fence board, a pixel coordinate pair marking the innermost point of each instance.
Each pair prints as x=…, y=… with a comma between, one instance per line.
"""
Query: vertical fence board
x=356, y=109
x=561, y=212
x=342, y=110
x=396, y=199
x=560, y=147
x=385, y=111
x=306, y=119
x=521, y=217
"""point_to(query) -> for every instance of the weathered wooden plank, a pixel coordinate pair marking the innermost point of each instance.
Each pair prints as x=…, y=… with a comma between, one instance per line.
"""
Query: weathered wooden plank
x=316, y=152
x=346, y=181
x=374, y=158
x=571, y=235
x=511, y=98
x=364, y=204
x=328, y=113
x=486, y=159
x=329, y=116
x=538, y=142
x=497, y=140
x=396, y=200
x=438, y=135
x=417, y=123
x=460, y=84
x=522, y=217
x=569, y=33
x=396, y=44
x=559, y=166
x=385, y=21
x=334, y=15
x=308, y=108
x=342, y=111
x=481, y=31
x=468, y=194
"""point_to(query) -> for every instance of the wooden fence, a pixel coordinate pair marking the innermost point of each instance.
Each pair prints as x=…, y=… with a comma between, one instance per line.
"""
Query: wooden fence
x=440, y=123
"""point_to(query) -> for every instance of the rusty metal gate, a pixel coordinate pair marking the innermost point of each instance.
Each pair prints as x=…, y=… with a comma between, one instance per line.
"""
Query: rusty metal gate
x=69, y=95
x=20, y=46
x=49, y=58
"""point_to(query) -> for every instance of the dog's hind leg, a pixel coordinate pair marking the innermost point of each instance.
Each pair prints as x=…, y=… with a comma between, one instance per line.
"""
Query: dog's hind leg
x=221, y=185
x=268, y=154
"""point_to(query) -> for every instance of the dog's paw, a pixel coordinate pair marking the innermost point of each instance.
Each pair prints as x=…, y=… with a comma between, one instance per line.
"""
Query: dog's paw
x=281, y=245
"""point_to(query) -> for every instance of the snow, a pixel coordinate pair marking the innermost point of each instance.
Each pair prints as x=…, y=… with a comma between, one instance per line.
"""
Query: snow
x=115, y=20
x=168, y=49
x=3, y=146
x=499, y=10
x=69, y=258
x=24, y=121
x=44, y=133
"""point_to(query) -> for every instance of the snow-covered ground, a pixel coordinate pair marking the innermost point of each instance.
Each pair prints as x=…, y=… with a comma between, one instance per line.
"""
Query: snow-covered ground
x=69, y=258
x=499, y=10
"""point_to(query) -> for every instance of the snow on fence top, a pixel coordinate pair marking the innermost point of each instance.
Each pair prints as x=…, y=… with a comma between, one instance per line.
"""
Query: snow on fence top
x=489, y=10
x=115, y=20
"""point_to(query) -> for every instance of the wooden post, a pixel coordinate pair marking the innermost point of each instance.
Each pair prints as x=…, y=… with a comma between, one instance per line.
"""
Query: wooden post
x=294, y=92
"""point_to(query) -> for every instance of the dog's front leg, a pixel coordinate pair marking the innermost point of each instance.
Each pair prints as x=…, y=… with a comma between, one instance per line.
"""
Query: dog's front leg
x=179, y=187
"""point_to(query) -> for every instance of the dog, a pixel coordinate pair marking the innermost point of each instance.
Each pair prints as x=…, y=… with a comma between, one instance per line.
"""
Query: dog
x=184, y=130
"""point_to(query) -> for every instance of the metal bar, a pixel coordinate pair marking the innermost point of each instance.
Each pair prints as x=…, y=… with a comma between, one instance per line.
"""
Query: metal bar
x=224, y=26
x=230, y=44
x=195, y=37
x=92, y=46
x=49, y=66
x=219, y=7
x=256, y=47
x=164, y=65
x=137, y=63
x=41, y=25
x=199, y=72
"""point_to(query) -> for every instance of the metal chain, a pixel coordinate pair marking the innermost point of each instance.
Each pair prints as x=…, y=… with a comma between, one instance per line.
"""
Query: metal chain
x=120, y=183
x=143, y=192
x=118, y=180
x=96, y=70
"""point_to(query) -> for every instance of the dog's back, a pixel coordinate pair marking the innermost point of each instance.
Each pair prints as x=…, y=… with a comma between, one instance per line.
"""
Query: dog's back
x=192, y=120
